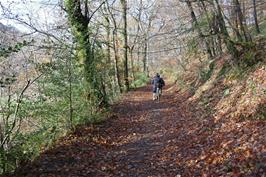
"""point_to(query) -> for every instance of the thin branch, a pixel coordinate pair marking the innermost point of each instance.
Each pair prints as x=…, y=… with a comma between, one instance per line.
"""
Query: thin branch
x=95, y=11
x=19, y=101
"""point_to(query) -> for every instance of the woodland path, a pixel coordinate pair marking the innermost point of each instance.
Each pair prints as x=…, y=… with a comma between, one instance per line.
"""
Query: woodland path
x=143, y=138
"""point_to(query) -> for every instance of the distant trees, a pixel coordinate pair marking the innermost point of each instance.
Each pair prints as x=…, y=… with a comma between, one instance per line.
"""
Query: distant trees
x=230, y=21
x=114, y=43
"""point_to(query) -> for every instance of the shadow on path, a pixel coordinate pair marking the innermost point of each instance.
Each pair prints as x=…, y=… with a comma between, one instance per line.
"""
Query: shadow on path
x=144, y=138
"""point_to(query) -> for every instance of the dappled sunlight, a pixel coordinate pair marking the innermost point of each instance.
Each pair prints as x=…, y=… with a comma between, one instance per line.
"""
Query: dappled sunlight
x=243, y=98
x=210, y=83
x=169, y=137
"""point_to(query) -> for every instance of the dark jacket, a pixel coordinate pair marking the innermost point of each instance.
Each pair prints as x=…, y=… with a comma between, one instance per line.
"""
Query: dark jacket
x=157, y=82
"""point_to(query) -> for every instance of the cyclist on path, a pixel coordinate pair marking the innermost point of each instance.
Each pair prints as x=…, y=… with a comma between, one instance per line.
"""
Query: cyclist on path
x=157, y=82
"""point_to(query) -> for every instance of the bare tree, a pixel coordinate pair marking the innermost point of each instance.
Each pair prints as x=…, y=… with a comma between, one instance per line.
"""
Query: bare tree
x=255, y=16
x=124, y=9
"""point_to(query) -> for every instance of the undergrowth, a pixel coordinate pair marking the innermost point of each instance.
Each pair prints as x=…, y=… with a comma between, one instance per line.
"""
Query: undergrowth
x=141, y=80
x=240, y=83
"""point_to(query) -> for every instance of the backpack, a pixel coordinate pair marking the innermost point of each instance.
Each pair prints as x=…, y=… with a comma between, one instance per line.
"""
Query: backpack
x=159, y=82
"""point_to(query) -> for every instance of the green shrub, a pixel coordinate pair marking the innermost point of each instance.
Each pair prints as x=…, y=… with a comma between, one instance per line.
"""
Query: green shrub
x=141, y=80
x=48, y=111
x=249, y=58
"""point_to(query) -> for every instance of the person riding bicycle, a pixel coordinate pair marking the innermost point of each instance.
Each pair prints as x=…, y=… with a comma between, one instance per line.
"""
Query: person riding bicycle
x=157, y=82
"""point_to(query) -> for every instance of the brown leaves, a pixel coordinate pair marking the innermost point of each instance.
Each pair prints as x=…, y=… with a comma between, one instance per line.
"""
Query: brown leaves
x=171, y=138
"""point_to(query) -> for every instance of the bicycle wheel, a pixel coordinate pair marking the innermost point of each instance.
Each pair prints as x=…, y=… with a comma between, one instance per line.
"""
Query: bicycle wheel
x=158, y=94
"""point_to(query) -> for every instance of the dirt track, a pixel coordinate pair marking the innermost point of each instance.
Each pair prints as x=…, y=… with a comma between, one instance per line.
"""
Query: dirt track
x=144, y=138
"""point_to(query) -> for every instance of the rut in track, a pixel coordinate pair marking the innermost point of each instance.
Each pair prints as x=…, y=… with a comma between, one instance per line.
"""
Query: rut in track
x=143, y=138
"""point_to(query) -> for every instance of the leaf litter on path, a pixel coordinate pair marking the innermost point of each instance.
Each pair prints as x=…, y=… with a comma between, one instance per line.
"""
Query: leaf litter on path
x=174, y=137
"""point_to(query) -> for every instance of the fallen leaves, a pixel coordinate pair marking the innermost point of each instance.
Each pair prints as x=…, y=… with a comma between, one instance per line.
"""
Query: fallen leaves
x=175, y=137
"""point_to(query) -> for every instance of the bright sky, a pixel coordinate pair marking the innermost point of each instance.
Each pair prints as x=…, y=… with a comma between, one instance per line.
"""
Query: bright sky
x=37, y=10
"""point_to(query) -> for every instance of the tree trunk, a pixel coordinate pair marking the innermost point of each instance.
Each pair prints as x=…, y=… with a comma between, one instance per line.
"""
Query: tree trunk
x=124, y=7
x=146, y=45
x=116, y=59
x=108, y=30
x=110, y=65
x=132, y=65
x=241, y=20
x=221, y=23
x=115, y=48
x=70, y=94
x=212, y=39
x=195, y=21
x=255, y=16
x=235, y=25
x=80, y=21
x=145, y=70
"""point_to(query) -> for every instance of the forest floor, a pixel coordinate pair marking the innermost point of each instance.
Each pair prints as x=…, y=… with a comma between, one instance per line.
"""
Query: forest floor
x=173, y=137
